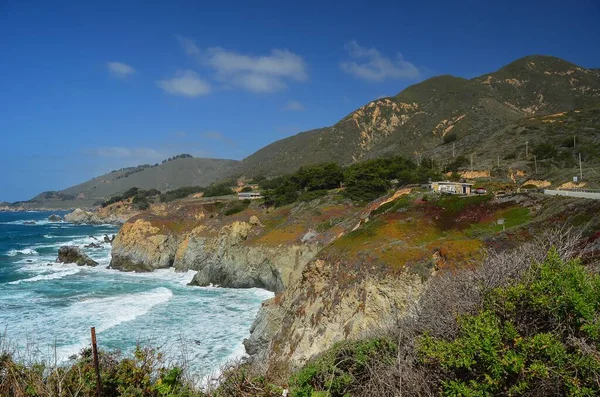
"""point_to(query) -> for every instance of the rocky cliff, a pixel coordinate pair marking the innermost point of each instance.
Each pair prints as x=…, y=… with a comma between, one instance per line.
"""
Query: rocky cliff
x=251, y=249
x=339, y=271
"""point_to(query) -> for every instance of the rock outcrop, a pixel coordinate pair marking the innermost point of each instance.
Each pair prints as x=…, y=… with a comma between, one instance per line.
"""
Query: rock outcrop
x=142, y=247
x=54, y=218
x=79, y=216
x=221, y=257
x=72, y=254
x=116, y=214
x=330, y=302
x=226, y=261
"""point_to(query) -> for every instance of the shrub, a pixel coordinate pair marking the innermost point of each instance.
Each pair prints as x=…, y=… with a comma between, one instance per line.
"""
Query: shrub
x=246, y=189
x=540, y=335
x=545, y=151
x=140, y=202
x=451, y=137
x=144, y=374
x=344, y=369
x=180, y=193
x=458, y=163
x=221, y=189
x=237, y=207
x=140, y=197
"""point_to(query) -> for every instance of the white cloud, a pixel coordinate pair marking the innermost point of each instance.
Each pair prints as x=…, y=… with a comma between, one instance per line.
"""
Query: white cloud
x=119, y=69
x=188, y=45
x=294, y=105
x=255, y=73
x=185, y=83
x=369, y=64
x=265, y=73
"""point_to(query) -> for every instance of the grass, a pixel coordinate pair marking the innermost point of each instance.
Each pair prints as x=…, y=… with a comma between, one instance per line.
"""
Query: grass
x=514, y=216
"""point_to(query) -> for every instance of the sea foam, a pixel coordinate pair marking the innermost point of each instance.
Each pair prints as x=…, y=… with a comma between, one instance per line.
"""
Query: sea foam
x=45, y=277
x=105, y=313
x=26, y=251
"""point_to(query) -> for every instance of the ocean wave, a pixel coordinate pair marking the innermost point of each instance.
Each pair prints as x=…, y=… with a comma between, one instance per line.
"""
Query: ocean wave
x=106, y=313
x=26, y=251
x=169, y=274
x=45, y=277
x=80, y=241
x=29, y=222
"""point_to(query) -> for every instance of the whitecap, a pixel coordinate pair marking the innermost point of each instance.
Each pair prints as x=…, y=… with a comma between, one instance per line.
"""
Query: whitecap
x=26, y=251
x=183, y=278
x=106, y=313
x=28, y=222
x=51, y=276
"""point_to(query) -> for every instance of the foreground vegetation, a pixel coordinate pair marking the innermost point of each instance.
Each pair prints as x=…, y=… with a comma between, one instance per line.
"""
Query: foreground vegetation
x=363, y=181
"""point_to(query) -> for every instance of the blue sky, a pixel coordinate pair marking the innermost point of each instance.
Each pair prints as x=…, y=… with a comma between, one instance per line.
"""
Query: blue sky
x=88, y=88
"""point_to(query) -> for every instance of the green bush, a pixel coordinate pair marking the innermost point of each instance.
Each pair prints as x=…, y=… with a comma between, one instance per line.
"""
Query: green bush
x=237, y=207
x=451, y=137
x=221, y=189
x=458, y=163
x=545, y=151
x=539, y=336
x=140, y=197
x=140, y=202
x=144, y=374
x=363, y=181
x=180, y=193
x=342, y=369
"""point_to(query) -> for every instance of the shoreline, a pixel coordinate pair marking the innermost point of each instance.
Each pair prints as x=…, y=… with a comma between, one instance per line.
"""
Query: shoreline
x=184, y=301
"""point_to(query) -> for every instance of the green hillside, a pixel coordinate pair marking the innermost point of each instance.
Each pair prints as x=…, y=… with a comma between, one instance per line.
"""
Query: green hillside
x=423, y=117
x=179, y=172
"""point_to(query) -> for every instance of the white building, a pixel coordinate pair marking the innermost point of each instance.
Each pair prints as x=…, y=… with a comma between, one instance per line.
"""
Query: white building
x=452, y=187
x=249, y=196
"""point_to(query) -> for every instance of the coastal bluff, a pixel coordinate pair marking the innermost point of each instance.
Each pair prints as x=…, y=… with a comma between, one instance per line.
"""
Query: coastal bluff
x=339, y=270
x=318, y=301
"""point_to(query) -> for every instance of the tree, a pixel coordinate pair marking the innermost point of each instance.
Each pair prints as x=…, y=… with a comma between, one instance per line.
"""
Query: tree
x=451, y=137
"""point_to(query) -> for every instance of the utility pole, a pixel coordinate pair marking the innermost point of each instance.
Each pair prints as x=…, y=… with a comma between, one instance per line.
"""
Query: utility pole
x=453, y=149
x=580, y=169
x=471, y=162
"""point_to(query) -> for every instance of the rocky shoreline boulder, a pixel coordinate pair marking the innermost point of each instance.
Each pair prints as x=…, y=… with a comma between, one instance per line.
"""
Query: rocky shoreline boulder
x=72, y=254
x=81, y=216
x=55, y=218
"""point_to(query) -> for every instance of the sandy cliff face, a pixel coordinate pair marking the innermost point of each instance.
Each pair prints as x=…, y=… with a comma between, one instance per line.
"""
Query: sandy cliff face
x=142, y=246
x=226, y=260
x=332, y=301
x=226, y=252
x=116, y=213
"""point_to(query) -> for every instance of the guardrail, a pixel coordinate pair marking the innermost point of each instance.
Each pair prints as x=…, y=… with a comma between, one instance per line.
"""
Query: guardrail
x=582, y=190
x=570, y=193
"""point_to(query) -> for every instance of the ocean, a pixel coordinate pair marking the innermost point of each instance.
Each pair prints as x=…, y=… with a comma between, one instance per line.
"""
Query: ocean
x=47, y=308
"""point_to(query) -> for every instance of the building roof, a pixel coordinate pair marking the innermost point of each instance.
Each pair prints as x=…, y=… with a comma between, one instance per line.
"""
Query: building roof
x=453, y=183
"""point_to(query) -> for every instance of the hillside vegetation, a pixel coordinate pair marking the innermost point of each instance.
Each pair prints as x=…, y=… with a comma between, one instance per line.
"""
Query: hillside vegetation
x=422, y=120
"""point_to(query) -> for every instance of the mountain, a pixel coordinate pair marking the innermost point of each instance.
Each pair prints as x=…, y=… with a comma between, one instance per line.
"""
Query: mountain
x=173, y=174
x=422, y=117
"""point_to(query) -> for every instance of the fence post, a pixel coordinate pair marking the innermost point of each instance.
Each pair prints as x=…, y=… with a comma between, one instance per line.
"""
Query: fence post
x=96, y=365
